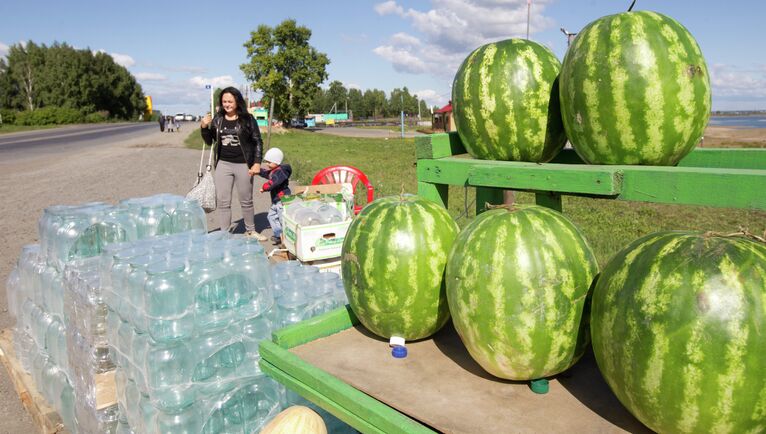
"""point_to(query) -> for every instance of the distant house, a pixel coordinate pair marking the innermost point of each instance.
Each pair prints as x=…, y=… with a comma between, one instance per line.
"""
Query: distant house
x=442, y=119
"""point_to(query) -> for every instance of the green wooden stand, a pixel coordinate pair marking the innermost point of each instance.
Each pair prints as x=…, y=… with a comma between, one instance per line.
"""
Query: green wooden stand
x=729, y=178
x=714, y=177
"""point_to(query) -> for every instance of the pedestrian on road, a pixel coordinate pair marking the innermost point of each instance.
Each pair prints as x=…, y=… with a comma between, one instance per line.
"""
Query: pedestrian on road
x=162, y=124
x=238, y=156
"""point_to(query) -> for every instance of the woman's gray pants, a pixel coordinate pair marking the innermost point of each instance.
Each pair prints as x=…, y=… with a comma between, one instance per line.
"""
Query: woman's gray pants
x=227, y=176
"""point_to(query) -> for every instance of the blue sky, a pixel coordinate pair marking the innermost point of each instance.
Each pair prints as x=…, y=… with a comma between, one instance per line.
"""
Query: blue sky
x=175, y=48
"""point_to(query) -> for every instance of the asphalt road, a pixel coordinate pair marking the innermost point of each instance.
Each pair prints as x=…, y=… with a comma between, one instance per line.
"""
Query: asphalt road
x=24, y=144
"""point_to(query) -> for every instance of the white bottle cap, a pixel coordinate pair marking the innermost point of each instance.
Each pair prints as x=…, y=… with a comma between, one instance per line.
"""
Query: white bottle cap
x=396, y=340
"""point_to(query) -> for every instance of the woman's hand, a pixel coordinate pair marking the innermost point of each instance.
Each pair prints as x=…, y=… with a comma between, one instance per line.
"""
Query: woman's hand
x=256, y=169
x=206, y=120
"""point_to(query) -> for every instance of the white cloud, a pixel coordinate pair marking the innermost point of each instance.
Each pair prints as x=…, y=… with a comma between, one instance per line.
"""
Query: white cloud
x=4, y=49
x=452, y=29
x=389, y=7
x=432, y=97
x=729, y=80
x=220, y=81
x=150, y=76
x=120, y=59
x=738, y=88
x=402, y=59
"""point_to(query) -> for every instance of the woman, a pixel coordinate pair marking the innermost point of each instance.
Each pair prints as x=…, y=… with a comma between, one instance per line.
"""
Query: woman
x=238, y=155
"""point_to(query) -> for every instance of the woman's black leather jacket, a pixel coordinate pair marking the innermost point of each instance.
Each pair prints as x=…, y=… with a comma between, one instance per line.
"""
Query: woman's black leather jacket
x=250, y=141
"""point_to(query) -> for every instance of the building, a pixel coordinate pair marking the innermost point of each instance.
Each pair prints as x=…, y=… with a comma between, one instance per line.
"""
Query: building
x=442, y=119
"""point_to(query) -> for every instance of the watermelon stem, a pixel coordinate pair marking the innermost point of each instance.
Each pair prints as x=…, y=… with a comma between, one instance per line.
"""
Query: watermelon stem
x=741, y=233
x=509, y=207
x=631, y=6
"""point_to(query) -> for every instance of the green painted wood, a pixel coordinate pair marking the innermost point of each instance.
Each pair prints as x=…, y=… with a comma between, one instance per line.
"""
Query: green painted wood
x=484, y=196
x=726, y=158
x=549, y=199
x=438, y=146
x=727, y=188
x=578, y=179
x=314, y=328
x=317, y=398
x=358, y=409
x=438, y=193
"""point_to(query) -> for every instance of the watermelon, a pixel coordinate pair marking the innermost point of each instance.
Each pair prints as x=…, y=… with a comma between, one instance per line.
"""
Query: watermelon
x=393, y=261
x=634, y=90
x=517, y=283
x=679, y=332
x=505, y=102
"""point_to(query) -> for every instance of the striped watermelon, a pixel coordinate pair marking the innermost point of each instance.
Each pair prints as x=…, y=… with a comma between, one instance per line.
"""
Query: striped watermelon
x=506, y=102
x=393, y=263
x=517, y=281
x=634, y=90
x=679, y=332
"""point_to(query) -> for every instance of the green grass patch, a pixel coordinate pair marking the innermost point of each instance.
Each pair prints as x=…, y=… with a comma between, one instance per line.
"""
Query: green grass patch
x=609, y=225
x=8, y=128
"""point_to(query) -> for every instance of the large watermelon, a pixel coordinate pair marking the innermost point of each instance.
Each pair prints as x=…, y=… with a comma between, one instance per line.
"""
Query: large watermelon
x=679, y=332
x=517, y=281
x=393, y=263
x=506, y=103
x=634, y=90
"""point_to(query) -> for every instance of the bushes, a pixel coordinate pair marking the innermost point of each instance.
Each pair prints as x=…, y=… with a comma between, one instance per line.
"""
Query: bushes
x=49, y=116
x=8, y=116
x=96, y=117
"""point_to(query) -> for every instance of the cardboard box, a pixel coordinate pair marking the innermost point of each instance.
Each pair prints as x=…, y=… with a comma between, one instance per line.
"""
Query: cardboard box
x=317, y=242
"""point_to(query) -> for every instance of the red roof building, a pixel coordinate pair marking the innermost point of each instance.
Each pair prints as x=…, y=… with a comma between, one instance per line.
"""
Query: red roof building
x=442, y=119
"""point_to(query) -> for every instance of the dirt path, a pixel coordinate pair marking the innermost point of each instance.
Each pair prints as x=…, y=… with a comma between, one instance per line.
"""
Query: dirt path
x=154, y=163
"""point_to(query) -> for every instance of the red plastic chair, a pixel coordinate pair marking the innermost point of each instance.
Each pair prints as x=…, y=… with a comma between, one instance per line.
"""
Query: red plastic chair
x=341, y=174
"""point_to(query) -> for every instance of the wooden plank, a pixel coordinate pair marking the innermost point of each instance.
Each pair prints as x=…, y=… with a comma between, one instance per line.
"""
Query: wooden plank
x=726, y=158
x=44, y=416
x=319, y=326
x=577, y=179
x=345, y=402
x=317, y=398
x=436, y=146
x=727, y=188
x=440, y=385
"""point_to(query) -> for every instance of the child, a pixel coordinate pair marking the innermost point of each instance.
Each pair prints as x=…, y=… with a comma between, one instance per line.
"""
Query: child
x=278, y=176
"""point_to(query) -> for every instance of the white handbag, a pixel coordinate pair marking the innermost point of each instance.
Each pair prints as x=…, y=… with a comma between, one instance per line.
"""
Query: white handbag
x=204, y=189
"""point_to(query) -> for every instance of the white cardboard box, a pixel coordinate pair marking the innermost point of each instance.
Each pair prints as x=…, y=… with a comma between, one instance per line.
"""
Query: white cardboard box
x=311, y=243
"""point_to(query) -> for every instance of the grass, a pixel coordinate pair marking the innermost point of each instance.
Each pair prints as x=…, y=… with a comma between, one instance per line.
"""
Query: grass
x=8, y=128
x=608, y=225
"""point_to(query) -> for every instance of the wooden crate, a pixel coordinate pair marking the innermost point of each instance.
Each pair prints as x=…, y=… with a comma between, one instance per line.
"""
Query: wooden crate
x=45, y=417
x=298, y=355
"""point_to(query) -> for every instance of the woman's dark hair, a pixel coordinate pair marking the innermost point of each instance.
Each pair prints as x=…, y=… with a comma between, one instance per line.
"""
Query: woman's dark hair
x=242, y=113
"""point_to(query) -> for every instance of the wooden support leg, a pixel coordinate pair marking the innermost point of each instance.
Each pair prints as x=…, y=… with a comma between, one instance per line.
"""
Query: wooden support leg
x=486, y=195
x=549, y=199
x=438, y=193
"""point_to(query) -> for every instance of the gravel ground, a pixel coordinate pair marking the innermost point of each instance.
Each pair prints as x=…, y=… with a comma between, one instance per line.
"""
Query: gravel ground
x=154, y=163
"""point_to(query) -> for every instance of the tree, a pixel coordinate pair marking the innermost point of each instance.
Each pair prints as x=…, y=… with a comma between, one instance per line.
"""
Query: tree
x=356, y=103
x=285, y=67
x=36, y=76
x=375, y=103
x=336, y=95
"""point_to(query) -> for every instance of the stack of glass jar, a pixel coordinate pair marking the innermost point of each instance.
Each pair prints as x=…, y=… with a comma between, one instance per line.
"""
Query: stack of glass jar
x=138, y=299
x=55, y=295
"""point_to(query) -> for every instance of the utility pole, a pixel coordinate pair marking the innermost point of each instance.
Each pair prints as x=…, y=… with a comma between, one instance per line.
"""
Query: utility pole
x=529, y=6
x=570, y=36
x=401, y=98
